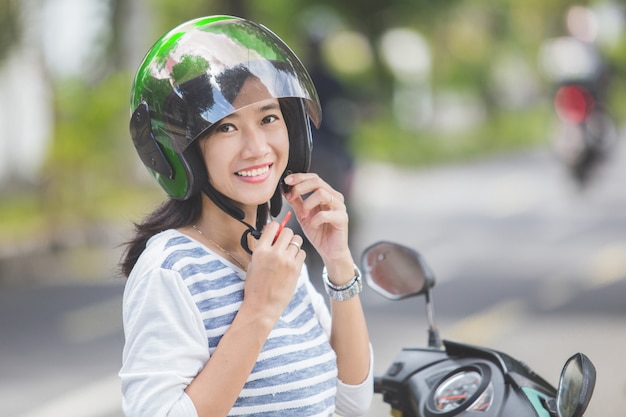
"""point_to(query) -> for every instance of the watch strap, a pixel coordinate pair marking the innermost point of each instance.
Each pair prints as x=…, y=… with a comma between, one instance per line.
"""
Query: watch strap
x=345, y=291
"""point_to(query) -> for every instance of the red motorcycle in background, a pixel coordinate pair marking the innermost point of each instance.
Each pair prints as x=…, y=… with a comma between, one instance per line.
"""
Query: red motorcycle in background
x=575, y=65
x=586, y=133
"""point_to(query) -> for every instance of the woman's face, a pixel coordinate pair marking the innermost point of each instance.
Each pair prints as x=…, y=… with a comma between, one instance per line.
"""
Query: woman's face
x=247, y=152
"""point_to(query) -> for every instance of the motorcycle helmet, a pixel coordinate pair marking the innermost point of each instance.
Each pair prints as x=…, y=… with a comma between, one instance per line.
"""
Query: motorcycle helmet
x=197, y=74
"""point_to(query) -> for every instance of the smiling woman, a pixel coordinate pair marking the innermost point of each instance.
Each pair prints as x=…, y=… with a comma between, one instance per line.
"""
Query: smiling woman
x=217, y=290
x=252, y=144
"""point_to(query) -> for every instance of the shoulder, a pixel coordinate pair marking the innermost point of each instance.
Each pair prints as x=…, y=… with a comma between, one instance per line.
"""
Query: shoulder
x=149, y=269
x=170, y=264
x=173, y=255
x=170, y=250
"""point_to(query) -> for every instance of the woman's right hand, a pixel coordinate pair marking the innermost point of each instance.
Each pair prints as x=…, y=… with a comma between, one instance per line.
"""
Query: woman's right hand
x=273, y=272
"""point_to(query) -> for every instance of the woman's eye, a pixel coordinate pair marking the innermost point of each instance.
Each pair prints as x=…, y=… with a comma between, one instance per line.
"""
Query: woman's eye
x=269, y=119
x=225, y=128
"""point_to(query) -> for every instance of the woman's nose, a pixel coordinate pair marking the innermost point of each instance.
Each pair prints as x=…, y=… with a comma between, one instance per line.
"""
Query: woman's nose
x=255, y=143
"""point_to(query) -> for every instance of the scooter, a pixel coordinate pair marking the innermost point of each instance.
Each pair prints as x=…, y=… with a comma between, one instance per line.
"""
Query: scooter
x=587, y=132
x=455, y=379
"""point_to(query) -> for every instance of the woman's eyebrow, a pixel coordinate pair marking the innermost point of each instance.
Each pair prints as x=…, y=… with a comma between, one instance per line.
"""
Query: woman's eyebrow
x=264, y=108
x=270, y=106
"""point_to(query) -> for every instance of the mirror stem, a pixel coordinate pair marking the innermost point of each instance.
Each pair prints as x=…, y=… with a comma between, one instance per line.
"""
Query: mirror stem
x=434, y=341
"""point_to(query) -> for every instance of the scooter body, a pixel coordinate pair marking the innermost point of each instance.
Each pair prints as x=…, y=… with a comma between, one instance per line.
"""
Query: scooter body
x=456, y=379
x=463, y=379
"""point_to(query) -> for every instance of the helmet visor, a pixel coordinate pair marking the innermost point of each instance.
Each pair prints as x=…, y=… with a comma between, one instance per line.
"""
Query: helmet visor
x=209, y=68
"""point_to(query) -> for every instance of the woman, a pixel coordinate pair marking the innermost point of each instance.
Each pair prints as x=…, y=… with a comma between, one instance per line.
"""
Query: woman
x=220, y=317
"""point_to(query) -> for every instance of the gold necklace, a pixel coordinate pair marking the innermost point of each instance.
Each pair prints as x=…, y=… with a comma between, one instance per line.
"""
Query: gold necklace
x=221, y=248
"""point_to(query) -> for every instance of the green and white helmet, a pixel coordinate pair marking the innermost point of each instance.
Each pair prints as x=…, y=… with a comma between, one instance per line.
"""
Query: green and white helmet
x=197, y=74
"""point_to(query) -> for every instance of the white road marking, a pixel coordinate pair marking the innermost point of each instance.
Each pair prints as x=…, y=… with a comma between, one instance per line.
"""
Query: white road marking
x=488, y=326
x=97, y=399
x=608, y=265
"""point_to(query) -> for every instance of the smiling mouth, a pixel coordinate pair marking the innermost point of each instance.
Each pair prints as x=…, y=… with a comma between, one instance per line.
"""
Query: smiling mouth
x=254, y=172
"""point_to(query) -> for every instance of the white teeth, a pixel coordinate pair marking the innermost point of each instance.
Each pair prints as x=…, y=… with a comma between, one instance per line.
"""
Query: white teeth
x=254, y=172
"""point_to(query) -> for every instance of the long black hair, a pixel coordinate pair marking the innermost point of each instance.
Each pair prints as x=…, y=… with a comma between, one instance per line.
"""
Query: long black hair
x=171, y=214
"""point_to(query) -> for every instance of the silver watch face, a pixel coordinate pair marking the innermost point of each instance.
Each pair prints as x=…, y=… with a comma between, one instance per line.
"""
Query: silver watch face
x=350, y=292
x=354, y=287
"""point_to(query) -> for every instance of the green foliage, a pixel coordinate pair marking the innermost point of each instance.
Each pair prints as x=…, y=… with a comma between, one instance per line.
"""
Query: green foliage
x=21, y=216
x=169, y=14
x=506, y=131
x=9, y=26
x=90, y=149
x=89, y=122
x=91, y=166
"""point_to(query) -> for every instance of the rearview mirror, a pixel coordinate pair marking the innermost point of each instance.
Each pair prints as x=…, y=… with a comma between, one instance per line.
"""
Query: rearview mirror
x=576, y=384
x=395, y=271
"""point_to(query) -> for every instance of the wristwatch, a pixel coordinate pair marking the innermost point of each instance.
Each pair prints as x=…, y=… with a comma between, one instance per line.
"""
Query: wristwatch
x=345, y=291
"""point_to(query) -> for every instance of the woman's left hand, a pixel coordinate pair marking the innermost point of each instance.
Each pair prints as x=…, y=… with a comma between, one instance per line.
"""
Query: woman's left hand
x=322, y=214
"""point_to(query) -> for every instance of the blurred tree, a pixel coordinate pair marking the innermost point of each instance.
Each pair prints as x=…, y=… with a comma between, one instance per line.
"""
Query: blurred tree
x=170, y=13
x=9, y=26
x=88, y=155
x=121, y=14
x=91, y=154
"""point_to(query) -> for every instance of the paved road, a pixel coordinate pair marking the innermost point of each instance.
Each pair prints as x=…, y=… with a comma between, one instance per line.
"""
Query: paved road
x=525, y=264
x=60, y=347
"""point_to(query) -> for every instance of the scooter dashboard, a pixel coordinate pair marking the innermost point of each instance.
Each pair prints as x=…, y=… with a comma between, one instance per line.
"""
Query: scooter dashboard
x=433, y=383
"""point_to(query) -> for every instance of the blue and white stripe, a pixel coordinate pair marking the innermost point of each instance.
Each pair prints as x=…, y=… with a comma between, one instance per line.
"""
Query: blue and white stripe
x=296, y=372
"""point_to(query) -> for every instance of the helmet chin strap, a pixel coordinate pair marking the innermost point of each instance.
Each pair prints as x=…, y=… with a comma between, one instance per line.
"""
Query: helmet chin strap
x=226, y=205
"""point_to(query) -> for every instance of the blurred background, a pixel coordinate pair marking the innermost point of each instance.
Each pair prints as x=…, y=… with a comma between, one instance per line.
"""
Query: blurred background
x=487, y=135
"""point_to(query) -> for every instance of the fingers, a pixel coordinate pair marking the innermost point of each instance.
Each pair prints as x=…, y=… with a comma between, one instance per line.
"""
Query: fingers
x=274, y=270
x=281, y=238
x=321, y=212
x=330, y=202
x=289, y=242
x=319, y=195
x=295, y=244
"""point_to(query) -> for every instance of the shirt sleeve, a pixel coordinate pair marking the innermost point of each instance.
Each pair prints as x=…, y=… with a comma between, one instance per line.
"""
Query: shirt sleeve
x=351, y=400
x=165, y=348
x=355, y=400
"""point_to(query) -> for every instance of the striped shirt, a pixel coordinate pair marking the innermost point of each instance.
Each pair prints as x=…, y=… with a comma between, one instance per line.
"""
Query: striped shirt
x=179, y=301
